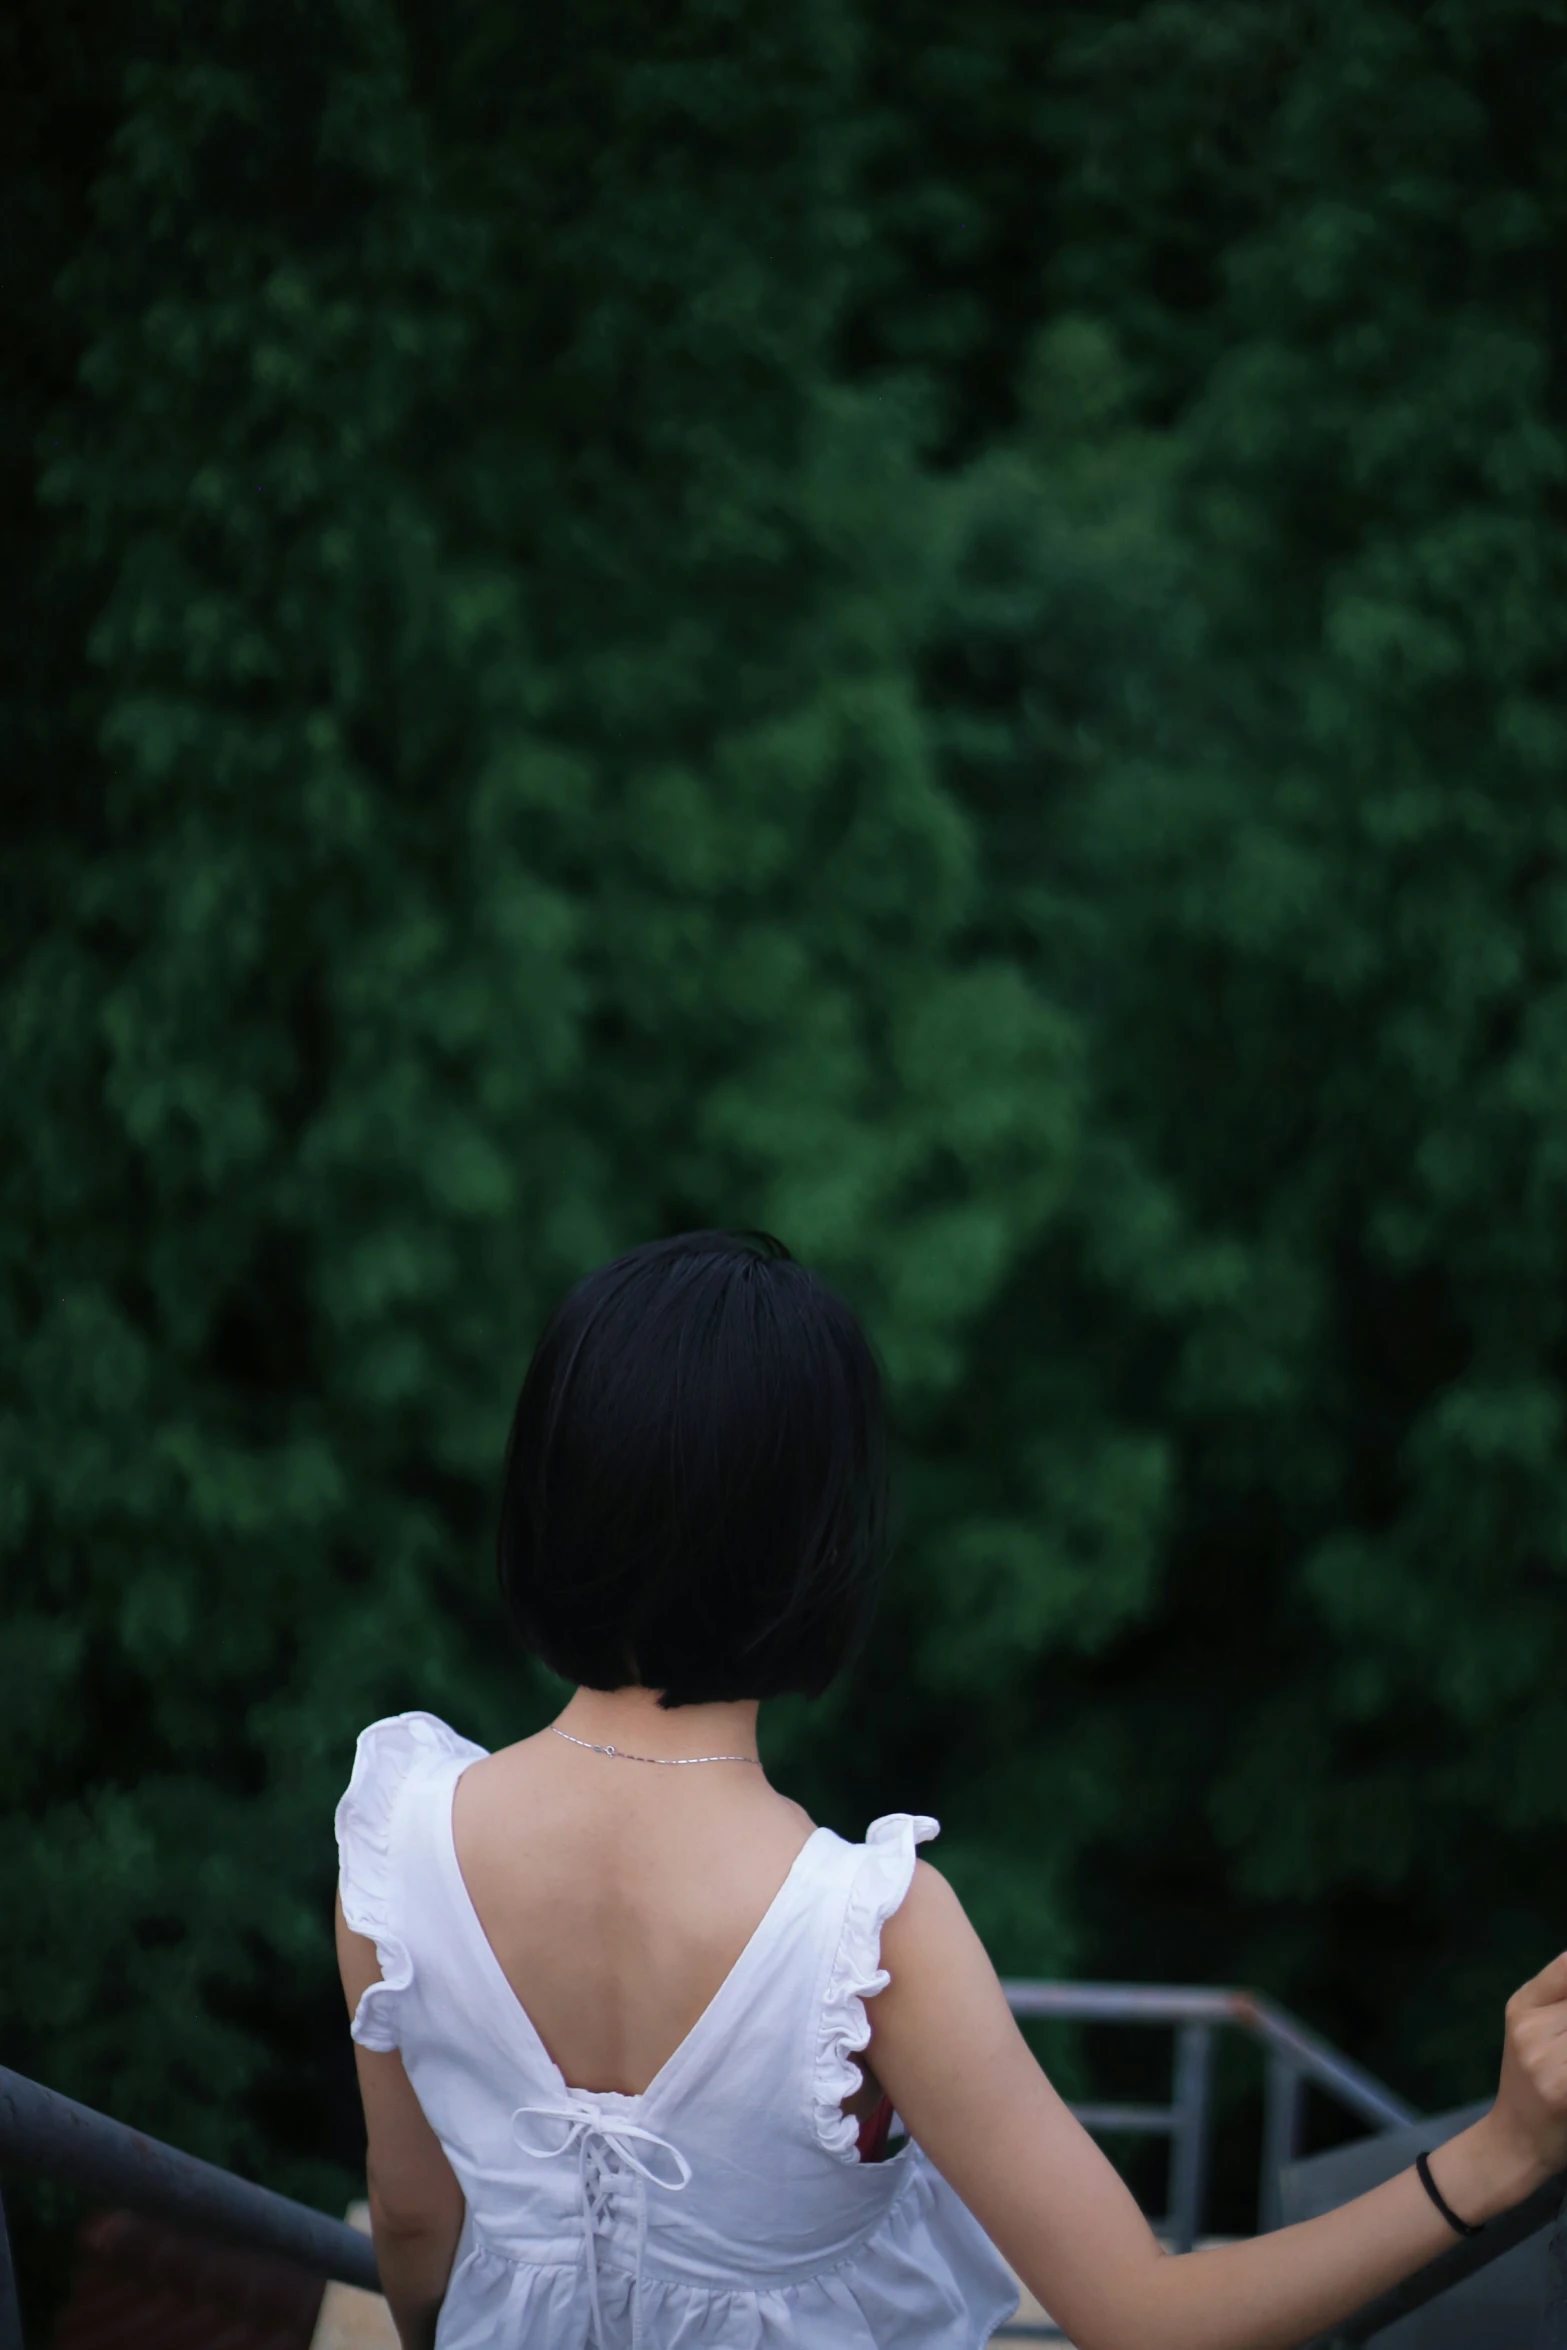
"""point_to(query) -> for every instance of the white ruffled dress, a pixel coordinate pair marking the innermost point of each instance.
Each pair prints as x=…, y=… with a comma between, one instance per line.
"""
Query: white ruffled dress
x=723, y=2209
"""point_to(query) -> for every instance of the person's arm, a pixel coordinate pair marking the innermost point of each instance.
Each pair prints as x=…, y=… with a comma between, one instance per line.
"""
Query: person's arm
x=416, y=2205
x=970, y=2092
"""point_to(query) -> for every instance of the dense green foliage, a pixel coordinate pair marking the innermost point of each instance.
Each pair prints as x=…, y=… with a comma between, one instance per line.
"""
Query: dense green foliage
x=941, y=634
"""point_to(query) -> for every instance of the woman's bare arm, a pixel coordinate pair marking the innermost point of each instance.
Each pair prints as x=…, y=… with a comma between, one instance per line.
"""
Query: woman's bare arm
x=416, y=2205
x=969, y=2090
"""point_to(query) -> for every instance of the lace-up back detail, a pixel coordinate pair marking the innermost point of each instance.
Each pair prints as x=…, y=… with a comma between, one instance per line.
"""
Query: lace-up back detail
x=723, y=2208
x=608, y=2159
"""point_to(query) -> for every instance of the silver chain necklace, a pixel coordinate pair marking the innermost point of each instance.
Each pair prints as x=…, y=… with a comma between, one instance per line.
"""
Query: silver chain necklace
x=673, y=1762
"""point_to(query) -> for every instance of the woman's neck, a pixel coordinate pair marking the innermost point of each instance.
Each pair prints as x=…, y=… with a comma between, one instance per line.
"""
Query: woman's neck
x=633, y=1722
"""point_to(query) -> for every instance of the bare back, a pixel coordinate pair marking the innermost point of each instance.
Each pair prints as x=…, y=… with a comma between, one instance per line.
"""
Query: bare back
x=618, y=1895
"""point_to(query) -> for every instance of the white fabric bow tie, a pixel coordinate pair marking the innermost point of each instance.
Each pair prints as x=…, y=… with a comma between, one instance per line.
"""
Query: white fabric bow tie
x=594, y=2136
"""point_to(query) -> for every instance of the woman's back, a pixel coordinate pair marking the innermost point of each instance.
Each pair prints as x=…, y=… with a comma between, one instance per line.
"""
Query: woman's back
x=679, y=2165
x=617, y=1895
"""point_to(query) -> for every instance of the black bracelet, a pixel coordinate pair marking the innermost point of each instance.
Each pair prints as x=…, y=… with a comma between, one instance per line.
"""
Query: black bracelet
x=1460, y=2227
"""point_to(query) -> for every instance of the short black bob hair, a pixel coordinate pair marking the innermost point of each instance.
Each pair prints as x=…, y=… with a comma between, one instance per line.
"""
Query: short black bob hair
x=695, y=1492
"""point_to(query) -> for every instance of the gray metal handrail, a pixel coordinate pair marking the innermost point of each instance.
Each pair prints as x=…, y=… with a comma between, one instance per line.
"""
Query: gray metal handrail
x=1503, y=2234
x=70, y=2142
x=63, y=2140
x=1296, y=2058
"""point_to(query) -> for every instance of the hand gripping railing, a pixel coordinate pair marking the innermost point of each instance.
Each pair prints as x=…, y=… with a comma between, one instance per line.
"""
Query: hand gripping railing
x=42, y=2131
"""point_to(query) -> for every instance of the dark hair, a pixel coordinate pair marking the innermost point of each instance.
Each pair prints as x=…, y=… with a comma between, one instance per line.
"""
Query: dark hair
x=695, y=1484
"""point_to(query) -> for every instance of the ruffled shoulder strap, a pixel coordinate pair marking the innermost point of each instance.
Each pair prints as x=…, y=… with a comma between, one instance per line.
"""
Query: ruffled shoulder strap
x=389, y=1758
x=883, y=1871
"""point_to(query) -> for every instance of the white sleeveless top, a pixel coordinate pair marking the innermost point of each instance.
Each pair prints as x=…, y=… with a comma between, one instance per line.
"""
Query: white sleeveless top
x=723, y=2209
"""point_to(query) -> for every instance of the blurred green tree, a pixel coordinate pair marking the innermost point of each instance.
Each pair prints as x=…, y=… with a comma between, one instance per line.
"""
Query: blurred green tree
x=943, y=636
x=1250, y=675
x=512, y=832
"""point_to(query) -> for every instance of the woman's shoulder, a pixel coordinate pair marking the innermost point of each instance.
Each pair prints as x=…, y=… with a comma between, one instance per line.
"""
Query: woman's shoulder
x=878, y=1871
x=388, y=1755
x=392, y=1759
x=884, y=1859
x=398, y=1741
x=874, y=1876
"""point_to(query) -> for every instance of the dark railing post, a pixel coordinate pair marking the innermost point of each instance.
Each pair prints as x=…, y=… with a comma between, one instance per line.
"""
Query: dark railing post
x=1284, y=2098
x=1189, y=2146
x=10, y=2304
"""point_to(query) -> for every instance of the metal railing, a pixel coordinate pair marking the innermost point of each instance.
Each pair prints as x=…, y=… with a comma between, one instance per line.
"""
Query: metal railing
x=44, y=2132
x=1502, y=2234
x=105, y=2159
x=1296, y=2059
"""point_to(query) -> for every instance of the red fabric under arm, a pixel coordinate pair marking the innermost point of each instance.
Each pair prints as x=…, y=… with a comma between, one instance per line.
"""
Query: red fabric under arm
x=873, y=2132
